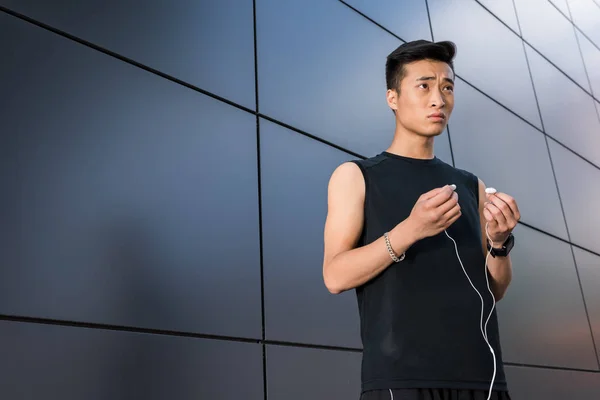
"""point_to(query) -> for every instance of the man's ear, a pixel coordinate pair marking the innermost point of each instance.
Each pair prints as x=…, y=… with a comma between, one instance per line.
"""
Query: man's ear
x=392, y=99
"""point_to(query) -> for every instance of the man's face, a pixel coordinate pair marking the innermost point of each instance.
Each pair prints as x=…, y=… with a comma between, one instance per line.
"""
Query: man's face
x=426, y=98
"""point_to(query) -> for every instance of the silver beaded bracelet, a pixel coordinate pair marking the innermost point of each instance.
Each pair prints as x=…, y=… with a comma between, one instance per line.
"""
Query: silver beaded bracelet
x=391, y=251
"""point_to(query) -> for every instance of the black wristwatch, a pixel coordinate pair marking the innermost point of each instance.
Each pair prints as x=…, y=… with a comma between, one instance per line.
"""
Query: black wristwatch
x=504, y=250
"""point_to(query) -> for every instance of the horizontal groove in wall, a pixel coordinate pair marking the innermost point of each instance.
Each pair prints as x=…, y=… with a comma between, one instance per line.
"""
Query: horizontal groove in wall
x=568, y=17
x=46, y=321
x=122, y=328
x=283, y=124
x=125, y=59
x=500, y=19
x=558, y=238
x=511, y=364
x=310, y=135
x=372, y=20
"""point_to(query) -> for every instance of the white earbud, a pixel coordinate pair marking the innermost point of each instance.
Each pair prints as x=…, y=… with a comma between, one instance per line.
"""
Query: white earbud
x=490, y=190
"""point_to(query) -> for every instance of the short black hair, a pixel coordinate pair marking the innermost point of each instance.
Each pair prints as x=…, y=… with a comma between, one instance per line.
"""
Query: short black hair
x=415, y=51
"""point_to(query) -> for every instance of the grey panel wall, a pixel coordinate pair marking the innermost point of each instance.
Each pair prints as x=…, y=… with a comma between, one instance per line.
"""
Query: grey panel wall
x=588, y=264
x=498, y=51
x=551, y=384
x=116, y=193
x=59, y=362
x=295, y=170
x=164, y=175
x=477, y=122
x=566, y=56
x=586, y=14
x=292, y=373
x=545, y=321
x=208, y=44
x=407, y=19
x=349, y=108
x=568, y=117
x=591, y=55
x=505, y=11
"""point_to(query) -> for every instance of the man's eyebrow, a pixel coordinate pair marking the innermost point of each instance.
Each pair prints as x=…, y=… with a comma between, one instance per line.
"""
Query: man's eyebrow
x=430, y=78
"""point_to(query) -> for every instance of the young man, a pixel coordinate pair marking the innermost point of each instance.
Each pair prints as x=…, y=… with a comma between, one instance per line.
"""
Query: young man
x=410, y=234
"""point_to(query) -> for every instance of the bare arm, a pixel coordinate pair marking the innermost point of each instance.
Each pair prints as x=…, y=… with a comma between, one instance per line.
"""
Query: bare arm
x=346, y=266
x=500, y=268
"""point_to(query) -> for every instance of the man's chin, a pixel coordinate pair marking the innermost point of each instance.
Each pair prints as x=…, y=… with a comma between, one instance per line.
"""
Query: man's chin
x=433, y=132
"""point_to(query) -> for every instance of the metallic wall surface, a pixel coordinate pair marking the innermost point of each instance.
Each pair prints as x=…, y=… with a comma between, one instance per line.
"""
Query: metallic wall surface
x=164, y=168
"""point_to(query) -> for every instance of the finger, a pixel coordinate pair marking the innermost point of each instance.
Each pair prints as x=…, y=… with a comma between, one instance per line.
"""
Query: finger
x=497, y=215
x=445, y=194
x=510, y=201
x=454, y=216
x=488, y=215
x=506, y=210
x=448, y=205
x=433, y=192
x=442, y=213
x=454, y=212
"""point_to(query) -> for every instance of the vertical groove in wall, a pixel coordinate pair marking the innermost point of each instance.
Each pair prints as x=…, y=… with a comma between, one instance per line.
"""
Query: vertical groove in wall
x=587, y=75
x=258, y=162
x=517, y=17
x=447, y=126
x=537, y=103
x=595, y=96
x=260, y=218
x=572, y=22
x=429, y=19
x=262, y=274
x=570, y=16
x=500, y=19
x=587, y=314
x=450, y=144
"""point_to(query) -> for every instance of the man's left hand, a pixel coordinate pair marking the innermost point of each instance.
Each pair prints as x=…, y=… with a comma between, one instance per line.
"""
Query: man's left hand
x=502, y=214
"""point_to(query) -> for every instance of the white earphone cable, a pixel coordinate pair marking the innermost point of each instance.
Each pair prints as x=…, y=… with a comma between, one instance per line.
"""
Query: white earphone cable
x=482, y=326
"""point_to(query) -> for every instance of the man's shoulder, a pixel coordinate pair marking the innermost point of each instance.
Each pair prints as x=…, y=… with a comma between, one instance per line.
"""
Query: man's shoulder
x=466, y=173
x=369, y=162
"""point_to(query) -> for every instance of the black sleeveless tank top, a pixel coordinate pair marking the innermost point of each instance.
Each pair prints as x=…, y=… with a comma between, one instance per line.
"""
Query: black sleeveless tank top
x=420, y=318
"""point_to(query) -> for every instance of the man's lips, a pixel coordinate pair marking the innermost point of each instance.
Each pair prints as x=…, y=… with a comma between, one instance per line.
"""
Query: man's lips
x=437, y=116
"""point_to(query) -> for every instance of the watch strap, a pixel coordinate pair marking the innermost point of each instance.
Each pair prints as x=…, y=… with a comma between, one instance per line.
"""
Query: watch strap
x=504, y=250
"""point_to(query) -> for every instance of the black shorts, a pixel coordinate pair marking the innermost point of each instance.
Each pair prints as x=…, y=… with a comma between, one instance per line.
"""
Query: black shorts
x=433, y=394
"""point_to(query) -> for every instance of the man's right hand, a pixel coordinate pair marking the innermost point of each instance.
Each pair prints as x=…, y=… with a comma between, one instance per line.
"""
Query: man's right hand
x=434, y=211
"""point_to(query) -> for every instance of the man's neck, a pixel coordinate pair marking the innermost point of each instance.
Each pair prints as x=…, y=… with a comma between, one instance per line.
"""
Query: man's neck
x=411, y=145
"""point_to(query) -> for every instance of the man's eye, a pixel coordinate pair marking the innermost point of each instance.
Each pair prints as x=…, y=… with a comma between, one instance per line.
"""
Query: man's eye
x=424, y=86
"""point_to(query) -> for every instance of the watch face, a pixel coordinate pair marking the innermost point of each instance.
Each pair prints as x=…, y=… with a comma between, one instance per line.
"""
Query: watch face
x=509, y=243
